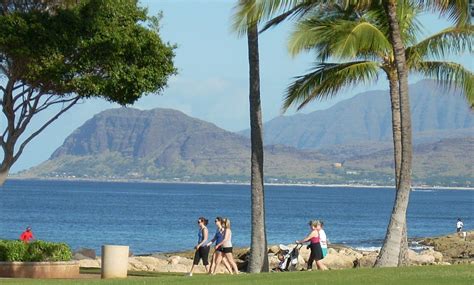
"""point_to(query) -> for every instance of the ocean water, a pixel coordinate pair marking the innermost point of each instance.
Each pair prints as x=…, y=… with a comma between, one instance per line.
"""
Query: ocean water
x=162, y=217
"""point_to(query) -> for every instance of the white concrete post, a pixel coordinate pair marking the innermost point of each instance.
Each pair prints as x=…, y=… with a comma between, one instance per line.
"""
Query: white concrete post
x=114, y=261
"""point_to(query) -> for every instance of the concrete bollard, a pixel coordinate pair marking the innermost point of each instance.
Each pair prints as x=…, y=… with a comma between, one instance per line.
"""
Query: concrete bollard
x=114, y=261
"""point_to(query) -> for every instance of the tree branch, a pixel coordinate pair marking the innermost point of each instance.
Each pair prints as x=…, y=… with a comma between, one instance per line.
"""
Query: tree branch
x=7, y=107
x=22, y=93
x=48, y=104
x=45, y=125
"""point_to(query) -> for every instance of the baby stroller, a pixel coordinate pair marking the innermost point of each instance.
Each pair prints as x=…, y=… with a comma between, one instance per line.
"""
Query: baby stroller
x=289, y=259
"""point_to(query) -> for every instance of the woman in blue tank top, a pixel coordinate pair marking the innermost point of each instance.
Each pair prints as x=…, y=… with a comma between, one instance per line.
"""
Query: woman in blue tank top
x=201, y=248
x=218, y=238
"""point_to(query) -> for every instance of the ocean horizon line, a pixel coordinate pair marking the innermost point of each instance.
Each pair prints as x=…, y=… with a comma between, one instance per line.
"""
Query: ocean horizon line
x=333, y=185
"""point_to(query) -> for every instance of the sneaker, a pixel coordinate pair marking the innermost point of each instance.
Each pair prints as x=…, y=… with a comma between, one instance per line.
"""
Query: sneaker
x=190, y=274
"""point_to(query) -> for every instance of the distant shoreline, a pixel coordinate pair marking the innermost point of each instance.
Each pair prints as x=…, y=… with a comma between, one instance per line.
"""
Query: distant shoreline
x=414, y=188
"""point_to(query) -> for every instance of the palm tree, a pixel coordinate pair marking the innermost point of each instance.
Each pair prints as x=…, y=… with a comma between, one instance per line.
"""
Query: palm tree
x=455, y=10
x=258, y=261
x=336, y=35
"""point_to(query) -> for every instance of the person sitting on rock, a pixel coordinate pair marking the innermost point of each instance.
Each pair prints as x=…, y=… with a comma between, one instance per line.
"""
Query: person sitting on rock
x=315, y=246
x=27, y=235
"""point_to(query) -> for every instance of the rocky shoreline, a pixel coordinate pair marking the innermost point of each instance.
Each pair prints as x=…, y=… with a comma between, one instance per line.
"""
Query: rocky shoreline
x=444, y=250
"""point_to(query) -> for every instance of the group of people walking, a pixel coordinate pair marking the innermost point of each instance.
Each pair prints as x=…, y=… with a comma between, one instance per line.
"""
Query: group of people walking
x=223, y=247
x=317, y=244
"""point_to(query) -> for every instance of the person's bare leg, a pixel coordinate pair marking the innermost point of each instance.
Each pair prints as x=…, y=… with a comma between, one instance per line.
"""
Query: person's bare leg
x=321, y=265
x=231, y=260
x=213, y=262
x=218, y=261
x=227, y=265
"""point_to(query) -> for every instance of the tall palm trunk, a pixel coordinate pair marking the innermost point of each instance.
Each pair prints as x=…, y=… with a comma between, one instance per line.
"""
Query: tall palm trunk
x=390, y=253
x=258, y=249
x=397, y=151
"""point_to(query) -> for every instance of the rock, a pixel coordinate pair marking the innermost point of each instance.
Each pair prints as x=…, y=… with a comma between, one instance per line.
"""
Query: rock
x=273, y=261
x=186, y=261
x=444, y=263
x=351, y=253
x=85, y=252
x=173, y=260
x=149, y=263
x=367, y=261
x=420, y=259
x=339, y=261
x=274, y=249
x=90, y=263
x=454, y=248
x=438, y=256
x=78, y=256
x=332, y=251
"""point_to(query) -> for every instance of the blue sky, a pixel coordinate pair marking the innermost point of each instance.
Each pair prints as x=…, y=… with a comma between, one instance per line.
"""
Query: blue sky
x=213, y=69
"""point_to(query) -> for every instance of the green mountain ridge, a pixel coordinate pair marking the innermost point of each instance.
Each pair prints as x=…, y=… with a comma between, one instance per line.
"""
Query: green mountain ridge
x=366, y=119
x=167, y=145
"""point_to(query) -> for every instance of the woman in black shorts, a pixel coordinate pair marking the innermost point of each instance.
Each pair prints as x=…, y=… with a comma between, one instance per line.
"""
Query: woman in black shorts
x=224, y=249
x=315, y=246
x=202, y=249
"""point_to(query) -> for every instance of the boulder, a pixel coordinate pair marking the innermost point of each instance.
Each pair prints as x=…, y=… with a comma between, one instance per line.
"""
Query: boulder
x=146, y=263
x=173, y=260
x=367, y=261
x=455, y=249
x=89, y=263
x=438, y=256
x=78, y=256
x=339, y=261
x=274, y=249
x=85, y=253
x=420, y=259
x=273, y=261
x=349, y=252
x=332, y=251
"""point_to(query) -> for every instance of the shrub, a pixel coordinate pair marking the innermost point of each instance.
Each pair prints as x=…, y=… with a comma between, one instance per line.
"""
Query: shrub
x=11, y=250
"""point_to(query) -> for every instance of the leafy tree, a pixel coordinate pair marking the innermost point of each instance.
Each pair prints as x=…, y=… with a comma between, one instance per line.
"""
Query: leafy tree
x=53, y=56
x=258, y=247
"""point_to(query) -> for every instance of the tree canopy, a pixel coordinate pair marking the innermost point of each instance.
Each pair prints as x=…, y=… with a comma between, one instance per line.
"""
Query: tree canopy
x=97, y=48
x=55, y=52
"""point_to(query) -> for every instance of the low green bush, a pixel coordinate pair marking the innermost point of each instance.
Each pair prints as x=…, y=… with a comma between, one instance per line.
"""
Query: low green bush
x=12, y=250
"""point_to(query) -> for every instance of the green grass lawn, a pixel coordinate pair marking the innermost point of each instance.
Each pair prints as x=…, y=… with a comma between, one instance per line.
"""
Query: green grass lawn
x=455, y=274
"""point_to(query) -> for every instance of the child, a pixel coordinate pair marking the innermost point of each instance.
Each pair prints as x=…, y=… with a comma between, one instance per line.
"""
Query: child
x=323, y=239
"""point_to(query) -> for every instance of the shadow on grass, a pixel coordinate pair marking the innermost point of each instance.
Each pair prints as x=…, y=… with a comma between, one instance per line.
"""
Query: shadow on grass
x=96, y=271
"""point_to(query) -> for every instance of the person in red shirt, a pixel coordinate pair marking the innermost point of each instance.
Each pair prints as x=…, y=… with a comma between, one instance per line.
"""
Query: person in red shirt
x=27, y=235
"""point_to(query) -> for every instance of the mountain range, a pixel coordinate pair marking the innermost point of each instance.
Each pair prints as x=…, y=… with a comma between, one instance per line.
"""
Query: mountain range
x=366, y=118
x=167, y=145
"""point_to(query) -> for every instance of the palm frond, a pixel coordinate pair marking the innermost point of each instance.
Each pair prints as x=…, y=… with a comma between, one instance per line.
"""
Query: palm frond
x=449, y=75
x=295, y=12
x=258, y=11
x=341, y=39
x=456, y=10
x=407, y=14
x=326, y=79
x=453, y=40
